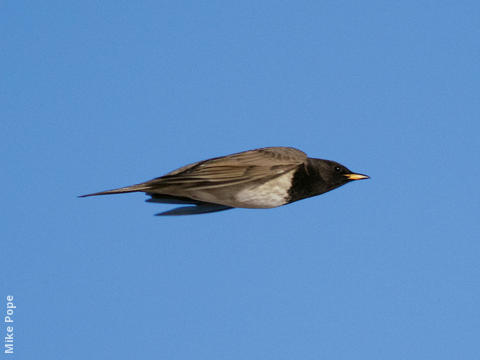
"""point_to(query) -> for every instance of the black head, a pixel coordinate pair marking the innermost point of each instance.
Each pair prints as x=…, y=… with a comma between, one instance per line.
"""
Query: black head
x=334, y=174
x=319, y=176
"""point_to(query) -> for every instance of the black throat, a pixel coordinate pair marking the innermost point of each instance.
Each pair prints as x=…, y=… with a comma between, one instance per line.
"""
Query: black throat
x=307, y=182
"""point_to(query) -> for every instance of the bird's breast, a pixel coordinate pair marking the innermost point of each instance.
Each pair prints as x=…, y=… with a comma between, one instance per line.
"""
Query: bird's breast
x=270, y=194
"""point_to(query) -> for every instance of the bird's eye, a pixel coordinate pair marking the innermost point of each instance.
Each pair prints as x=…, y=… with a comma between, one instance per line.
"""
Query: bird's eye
x=337, y=168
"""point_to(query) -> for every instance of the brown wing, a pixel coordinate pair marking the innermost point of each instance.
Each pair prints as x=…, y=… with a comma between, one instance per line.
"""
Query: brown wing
x=247, y=166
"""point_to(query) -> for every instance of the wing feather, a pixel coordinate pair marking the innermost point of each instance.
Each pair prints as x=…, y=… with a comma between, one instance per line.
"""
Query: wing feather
x=247, y=166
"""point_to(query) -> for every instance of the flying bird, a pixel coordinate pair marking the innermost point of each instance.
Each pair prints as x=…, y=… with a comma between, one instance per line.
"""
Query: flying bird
x=260, y=178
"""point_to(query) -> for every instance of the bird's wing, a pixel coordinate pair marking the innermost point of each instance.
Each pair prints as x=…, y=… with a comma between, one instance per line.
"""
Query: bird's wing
x=265, y=163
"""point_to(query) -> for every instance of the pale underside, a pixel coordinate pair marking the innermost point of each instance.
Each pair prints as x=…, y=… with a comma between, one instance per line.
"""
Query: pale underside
x=269, y=194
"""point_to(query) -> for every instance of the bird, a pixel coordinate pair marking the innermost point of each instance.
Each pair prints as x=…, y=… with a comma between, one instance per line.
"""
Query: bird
x=261, y=178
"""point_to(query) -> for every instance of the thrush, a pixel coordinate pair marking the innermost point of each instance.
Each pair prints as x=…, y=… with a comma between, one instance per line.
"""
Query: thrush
x=260, y=178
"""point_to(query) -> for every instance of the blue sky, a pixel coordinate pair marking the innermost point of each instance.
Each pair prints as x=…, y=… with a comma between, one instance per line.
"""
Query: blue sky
x=97, y=95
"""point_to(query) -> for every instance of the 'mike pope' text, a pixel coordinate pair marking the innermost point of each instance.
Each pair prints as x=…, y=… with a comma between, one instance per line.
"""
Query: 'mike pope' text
x=9, y=322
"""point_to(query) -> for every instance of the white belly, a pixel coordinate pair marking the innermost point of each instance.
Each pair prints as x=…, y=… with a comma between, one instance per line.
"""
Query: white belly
x=270, y=194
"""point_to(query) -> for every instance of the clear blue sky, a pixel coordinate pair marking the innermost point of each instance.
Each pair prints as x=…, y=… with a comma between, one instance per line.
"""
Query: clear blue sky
x=102, y=94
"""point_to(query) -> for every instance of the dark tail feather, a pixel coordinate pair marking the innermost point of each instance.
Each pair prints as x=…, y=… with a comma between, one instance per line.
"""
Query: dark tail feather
x=195, y=209
x=127, y=189
x=171, y=199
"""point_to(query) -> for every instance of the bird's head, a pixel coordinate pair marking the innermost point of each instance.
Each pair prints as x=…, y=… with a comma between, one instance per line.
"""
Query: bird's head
x=335, y=174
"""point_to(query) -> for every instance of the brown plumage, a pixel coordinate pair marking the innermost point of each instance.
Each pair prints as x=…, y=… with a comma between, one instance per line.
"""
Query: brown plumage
x=261, y=178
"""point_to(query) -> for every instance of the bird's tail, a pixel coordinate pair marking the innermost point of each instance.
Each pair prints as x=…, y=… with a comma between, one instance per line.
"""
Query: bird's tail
x=127, y=189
